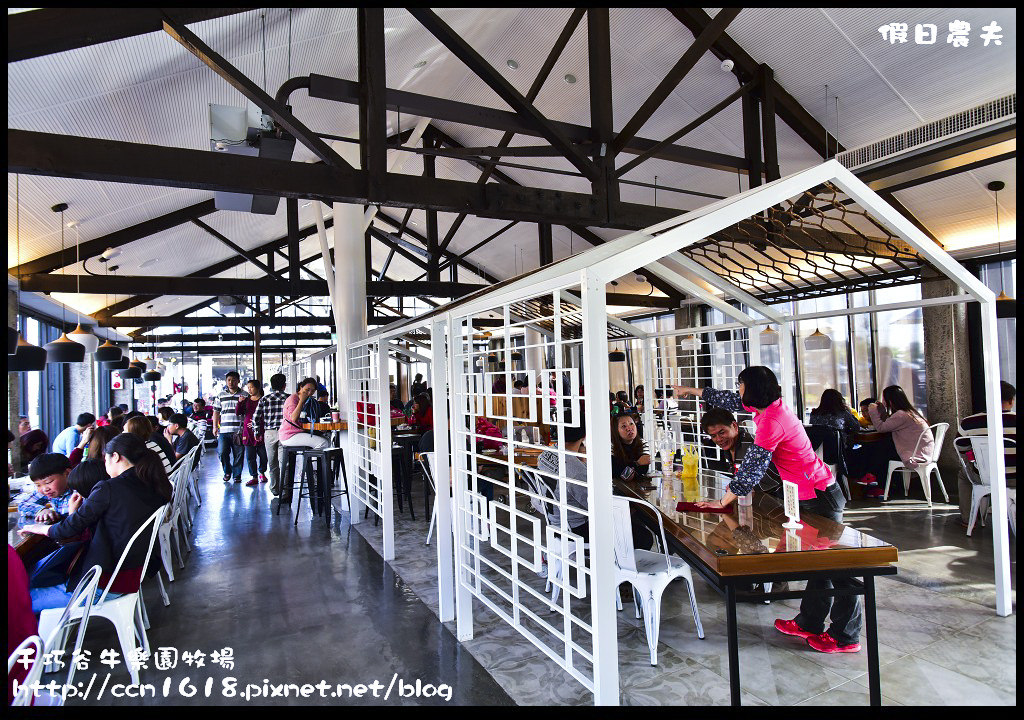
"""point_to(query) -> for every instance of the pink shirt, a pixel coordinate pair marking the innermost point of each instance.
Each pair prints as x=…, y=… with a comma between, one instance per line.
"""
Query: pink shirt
x=287, y=428
x=781, y=433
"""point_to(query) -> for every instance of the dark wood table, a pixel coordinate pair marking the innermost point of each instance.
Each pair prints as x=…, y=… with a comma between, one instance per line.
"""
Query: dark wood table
x=749, y=545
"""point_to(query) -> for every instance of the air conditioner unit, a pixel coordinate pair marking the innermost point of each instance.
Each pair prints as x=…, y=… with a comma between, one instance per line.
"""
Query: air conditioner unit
x=247, y=131
x=231, y=304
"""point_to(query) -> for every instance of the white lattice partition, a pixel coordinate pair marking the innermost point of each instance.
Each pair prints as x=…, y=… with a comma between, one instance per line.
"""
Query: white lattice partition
x=369, y=438
x=499, y=547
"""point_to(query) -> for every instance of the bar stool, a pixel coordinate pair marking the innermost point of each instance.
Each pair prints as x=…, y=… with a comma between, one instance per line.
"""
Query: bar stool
x=288, y=472
x=320, y=470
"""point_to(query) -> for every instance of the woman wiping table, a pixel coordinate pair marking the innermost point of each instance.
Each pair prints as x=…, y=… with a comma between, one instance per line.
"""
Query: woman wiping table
x=781, y=439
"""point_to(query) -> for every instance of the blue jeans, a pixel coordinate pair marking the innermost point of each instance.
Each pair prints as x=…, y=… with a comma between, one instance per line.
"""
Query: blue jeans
x=57, y=596
x=230, y=456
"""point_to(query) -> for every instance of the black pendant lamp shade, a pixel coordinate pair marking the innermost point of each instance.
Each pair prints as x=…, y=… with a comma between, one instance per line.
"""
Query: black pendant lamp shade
x=131, y=373
x=108, y=353
x=138, y=364
x=616, y=356
x=64, y=350
x=118, y=365
x=27, y=358
x=516, y=355
x=1006, y=306
x=12, y=341
x=152, y=376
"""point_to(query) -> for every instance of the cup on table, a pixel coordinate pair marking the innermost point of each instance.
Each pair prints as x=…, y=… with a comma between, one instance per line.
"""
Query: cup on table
x=335, y=417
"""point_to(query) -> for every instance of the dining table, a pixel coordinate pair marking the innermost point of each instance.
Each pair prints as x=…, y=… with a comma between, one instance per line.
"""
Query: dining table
x=748, y=544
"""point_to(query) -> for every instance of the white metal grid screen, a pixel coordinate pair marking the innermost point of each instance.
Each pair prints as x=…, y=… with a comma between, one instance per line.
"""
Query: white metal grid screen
x=370, y=477
x=502, y=544
x=693, y=358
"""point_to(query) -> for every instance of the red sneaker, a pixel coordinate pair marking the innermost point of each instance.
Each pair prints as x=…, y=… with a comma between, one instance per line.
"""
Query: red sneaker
x=875, y=492
x=826, y=643
x=263, y=478
x=789, y=627
x=252, y=483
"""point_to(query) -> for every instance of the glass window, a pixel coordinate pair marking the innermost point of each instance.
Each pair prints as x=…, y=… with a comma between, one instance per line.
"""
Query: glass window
x=900, y=350
x=863, y=358
x=1002, y=277
x=828, y=367
x=33, y=400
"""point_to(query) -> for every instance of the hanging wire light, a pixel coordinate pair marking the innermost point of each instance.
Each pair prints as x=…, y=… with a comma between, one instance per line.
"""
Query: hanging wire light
x=689, y=343
x=817, y=340
x=108, y=352
x=83, y=337
x=63, y=349
x=153, y=375
x=769, y=336
x=26, y=356
x=1006, y=306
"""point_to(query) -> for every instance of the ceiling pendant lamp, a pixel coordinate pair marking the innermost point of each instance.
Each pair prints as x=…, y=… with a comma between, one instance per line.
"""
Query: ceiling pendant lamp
x=688, y=343
x=492, y=358
x=63, y=349
x=817, y=340
x=1006, y=306
x=108, y=353
x=769, y=336
x=118, y=365
x=152, y=376
x=83, y=337
x=516, y=355
x=26, y=356
x=136, y=363
x=616, y=356
x=132, y=372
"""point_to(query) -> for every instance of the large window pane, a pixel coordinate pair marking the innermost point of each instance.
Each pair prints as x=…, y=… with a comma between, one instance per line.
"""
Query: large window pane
x=1002, y=277
x=900, y=351
x=863, y=357
x=825, y=368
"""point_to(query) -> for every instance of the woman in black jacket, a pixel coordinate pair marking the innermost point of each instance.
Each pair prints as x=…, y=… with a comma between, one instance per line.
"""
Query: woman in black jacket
x=113, y=512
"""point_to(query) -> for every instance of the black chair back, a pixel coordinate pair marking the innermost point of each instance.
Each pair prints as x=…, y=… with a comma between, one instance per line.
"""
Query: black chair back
x=831, y=443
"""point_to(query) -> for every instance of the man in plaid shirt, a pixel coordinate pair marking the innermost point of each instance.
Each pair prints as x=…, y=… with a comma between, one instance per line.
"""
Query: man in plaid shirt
x=49, y=472
x=270, y=413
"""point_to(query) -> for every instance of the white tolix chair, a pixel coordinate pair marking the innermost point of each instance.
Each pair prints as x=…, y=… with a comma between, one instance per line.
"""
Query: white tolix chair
x=924, y=469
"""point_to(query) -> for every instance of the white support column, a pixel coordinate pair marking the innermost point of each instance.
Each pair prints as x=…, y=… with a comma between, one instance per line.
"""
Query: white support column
x=787, y=361
x=602, y=563
x=384, y=448
x=442, y=472
x=997, y=461
x=463, y=596
x=647, y=364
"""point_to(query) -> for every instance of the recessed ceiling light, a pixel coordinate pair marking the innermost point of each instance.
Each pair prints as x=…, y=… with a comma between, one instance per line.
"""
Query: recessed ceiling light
x=149, y=263
x=421, y=63
x=512, y=64
x=570, y=78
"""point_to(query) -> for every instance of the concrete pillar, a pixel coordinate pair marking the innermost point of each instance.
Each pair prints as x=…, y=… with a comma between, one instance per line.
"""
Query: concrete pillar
x=535, y=356
x=13, y=383
x=349, y=275
x=947, y=370
x=81, y=392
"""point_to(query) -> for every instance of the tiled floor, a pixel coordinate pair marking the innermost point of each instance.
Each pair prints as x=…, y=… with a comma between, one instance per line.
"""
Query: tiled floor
x=941, y=642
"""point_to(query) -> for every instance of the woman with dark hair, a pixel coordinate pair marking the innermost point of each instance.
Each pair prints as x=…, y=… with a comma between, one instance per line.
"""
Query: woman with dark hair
x=292, y=432
x=85, y=476
x=418, y=386
x=421, y=417
x=630, y=457
x=638, y=398
x=781, y=439
x=833, y=412
x=142, y=428
x=113, y=512
x=92, y=443
x=908, y=439
x=252, y=434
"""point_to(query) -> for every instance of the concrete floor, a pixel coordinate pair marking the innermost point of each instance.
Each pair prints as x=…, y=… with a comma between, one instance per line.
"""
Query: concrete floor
x=296, y=605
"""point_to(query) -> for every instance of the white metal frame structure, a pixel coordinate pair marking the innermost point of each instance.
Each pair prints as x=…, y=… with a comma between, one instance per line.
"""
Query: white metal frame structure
x=489, y=545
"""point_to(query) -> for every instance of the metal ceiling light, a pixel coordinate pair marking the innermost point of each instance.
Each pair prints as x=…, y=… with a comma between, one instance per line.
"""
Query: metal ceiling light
x=120, y=364
x=26, y=356
x=152, y=376
x=616, y=356
x=769, y=336
x=817, y=340
x=1006, y=306
x=516, y=355
x=80, y=336
x=63, y=349
x=688, y=343
x=108, y=353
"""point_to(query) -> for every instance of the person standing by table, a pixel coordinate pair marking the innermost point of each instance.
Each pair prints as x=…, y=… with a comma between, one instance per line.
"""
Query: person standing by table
x=270, y=413
x=252, y=434
x=225, y=424
x=781, y=439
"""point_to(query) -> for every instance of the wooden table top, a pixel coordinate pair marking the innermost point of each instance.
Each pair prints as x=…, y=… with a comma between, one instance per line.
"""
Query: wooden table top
x=343, y=425
x=751, y=539
x=525, y=456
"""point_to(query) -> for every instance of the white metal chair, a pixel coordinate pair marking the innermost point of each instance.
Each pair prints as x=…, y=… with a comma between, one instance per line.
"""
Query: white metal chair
x=427, y=463
x=925, y=469
x=77, y=611
x=174, y=523
x=983, y=488
x=649, y=573
x=125, y=612
x=24, y=696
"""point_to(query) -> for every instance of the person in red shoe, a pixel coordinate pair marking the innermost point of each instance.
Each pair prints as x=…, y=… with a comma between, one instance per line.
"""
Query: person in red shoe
x=782, y=440
x=252, y=433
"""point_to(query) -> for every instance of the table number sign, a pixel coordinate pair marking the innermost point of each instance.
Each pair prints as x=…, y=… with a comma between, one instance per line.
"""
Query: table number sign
x=791, y=504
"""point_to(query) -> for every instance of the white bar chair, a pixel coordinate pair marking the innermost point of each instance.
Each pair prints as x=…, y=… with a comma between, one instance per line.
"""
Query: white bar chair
x=126, y=611
x=924, y=470
x=983, y=490
x=649, y=573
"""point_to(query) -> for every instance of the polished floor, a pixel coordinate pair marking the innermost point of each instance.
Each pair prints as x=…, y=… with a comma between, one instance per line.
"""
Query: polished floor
x=941, y=642
x=296, y=605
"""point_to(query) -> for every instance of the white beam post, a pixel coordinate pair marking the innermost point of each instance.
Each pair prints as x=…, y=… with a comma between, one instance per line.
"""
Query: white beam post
x=456, y=391
x=384, y=480
x=442, y=473
x=599, y=501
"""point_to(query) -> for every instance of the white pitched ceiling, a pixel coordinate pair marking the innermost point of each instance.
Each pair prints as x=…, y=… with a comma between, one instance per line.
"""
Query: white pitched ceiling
x=148, y=89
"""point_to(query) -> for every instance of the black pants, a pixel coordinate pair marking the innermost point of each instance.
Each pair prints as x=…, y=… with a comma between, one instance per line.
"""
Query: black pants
x=254, y=453
x=872, y=458
x=844, y=610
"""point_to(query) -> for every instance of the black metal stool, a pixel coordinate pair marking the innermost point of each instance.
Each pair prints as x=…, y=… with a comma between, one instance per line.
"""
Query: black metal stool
x=317, y=482
x=288, y=473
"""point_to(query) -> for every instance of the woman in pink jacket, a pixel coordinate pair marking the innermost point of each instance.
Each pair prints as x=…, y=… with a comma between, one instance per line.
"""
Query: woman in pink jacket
x=909, y=439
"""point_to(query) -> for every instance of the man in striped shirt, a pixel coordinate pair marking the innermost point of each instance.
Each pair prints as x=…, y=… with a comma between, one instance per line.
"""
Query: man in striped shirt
x=270, y=413
x=226, y=423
